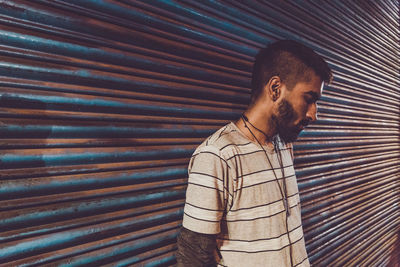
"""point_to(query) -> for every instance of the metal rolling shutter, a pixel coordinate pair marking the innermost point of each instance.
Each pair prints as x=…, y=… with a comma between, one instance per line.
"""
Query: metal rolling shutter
x=103, y=102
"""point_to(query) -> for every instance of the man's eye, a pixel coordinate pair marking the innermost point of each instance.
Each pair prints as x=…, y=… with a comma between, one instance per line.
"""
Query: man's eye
x=309, y=100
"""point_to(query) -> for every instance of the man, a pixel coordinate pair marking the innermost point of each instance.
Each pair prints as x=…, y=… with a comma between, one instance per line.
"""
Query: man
x=242, y=202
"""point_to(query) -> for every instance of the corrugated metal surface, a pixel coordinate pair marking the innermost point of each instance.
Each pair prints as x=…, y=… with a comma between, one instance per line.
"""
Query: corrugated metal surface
x=103, y=102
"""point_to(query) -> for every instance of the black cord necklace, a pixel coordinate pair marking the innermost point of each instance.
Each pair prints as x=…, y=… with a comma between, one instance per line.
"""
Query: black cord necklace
x=261, y=131
x=284, y=191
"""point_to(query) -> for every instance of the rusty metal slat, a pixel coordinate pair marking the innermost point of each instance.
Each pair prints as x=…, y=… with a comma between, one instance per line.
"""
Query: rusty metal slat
x=40, y=230
x=390, y=7
x=342, y=228
x=353, y=36
x=334, y=50
x=27, y=204
x=316, y=187
x=348, y=73
x=335, y=222
x=343, y=114
x=54, y=185
x=335, y=166
x=156, y=257
x=206, y=22
x=316, y=226
x=342, y=232
x=360, y=99
x=370, y=145
x=365, y=85
x=347, y=155
x=371, y=236
x=346, y=133
x=384, y=258
x=114, y=13
x=225, y=18
x=362, y=184
x=344, y=255
x=359, y=182
x=324, y=153
x=347, y=226
x=184, y=17
x=365, y=28
x=358, y=33
x=108, y=248
x=83, y=168
x=12, y=161
x=143, y=250
x=104, y=26
x=148, y=61
x=332, y=98
x=310, y=173
x=27, y=143
x=122, y=12
x=371, y=21
x=133, y=64
x=339, y=90
x=339, y=109
x=55, y=212
x=351, y=119
x=93, y=117
x=12, y=97
x=332, y=164
x=43, y=89
x=340, y=210
x=95, y=132
x=344, y=140
x=388, y=127
x=347, y=256
x=334, y=175
x=124, y=96
x=102, y=79
x=329, y=257
x=69, y=237
x=376, y=252
x=393, y=257
x=309, y=144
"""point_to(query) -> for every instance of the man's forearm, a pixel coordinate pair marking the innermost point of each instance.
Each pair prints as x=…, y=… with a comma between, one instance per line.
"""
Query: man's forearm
x=195, y=249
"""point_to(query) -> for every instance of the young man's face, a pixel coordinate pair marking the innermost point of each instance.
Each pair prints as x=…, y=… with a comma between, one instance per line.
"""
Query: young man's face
x=298, y=108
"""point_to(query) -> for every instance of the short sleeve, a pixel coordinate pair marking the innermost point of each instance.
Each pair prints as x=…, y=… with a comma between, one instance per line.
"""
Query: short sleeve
x=206, y=193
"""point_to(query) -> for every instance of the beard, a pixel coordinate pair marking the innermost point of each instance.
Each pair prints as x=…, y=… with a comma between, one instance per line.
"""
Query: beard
x=284, y=122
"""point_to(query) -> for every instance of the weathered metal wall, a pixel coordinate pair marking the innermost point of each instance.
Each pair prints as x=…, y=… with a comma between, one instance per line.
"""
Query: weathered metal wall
x=103, y=102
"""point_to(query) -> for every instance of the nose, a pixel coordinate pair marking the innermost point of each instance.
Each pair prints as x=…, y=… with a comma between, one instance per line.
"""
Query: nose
x=312, y=112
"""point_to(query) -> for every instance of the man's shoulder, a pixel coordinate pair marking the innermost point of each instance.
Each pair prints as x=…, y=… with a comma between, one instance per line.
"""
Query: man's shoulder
x=222, y=139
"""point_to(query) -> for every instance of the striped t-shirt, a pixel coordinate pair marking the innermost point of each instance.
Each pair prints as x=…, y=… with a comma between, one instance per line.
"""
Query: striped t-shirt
x=232, y=191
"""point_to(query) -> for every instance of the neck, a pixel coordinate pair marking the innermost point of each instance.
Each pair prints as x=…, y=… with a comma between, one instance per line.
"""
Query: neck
x=256, y=126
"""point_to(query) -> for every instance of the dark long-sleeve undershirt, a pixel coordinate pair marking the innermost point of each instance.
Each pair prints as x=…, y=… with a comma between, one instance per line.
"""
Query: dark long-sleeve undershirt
x=195, y=249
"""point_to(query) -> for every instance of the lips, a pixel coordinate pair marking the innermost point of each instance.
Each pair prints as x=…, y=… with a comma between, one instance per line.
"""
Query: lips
x=304, y=123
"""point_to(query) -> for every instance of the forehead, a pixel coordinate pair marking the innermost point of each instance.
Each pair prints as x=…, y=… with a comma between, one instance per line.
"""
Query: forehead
x=313, y=86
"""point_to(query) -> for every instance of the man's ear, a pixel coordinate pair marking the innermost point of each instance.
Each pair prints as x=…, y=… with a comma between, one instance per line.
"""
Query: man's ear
x=274, y=88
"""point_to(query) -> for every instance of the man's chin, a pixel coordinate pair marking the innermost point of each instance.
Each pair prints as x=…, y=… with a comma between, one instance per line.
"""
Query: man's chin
x=290, y=138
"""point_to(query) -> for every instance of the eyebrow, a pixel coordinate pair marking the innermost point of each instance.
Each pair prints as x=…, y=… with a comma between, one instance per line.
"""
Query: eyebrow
x=314, y=95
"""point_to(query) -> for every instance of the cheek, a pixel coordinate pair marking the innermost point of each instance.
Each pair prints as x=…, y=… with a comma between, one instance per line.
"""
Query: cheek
x=300, y=110
x=304, y=110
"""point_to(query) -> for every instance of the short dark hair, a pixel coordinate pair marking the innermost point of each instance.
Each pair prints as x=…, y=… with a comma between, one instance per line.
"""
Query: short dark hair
x=292, y=61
